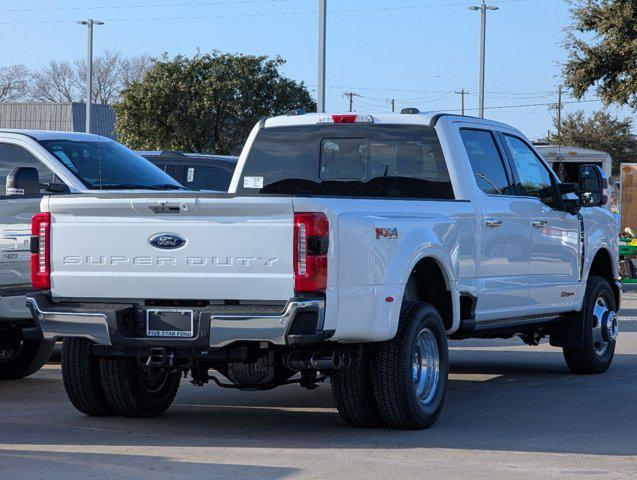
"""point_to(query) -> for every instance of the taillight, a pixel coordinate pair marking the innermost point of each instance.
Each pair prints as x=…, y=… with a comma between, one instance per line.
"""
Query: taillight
x=41, y=251
x=311, y=243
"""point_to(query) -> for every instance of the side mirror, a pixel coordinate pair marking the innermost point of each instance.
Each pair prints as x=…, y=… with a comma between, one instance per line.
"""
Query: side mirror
x=571, y=205
x=592, y=185
x=23, y=181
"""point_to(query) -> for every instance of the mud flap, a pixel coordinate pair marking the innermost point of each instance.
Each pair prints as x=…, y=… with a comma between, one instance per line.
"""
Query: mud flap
x=569, y=332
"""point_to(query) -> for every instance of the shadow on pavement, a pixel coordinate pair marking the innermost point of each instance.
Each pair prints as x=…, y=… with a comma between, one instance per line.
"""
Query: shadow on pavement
x=100, y=465
x=511, y=400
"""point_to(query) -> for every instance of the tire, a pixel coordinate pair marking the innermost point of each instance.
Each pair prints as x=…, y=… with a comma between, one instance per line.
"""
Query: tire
x=83, y=379
x=353, y=391
x=27, y=359
x=421, y=332
x=592, y=357
x=132, y=393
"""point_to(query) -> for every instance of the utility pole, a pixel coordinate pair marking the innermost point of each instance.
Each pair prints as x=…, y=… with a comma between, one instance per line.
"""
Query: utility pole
x=351, y=96
x=89, y=68
x=393, y=105
x=483, y=35
x=560, y=105
x=320, y=104
x=462, y=93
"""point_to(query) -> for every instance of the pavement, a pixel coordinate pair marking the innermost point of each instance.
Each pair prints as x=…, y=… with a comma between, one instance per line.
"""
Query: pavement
x=512, y=411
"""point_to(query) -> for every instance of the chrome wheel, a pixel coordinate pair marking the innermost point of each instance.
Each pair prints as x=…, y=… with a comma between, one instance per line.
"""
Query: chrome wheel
x=605, y=326
x=425, y=366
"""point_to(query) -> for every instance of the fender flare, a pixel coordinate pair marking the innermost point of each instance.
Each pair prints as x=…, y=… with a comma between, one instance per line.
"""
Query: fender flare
x=442, y=258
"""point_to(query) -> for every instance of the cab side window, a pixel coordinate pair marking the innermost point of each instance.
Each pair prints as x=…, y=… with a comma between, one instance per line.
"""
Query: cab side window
x=534, y=179
x=486, y=162
x=12, y=156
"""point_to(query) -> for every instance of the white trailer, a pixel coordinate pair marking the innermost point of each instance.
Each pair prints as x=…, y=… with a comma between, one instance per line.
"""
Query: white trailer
x=565, y=162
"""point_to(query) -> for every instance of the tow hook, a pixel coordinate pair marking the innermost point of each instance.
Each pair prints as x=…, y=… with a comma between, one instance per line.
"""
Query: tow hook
x=159, y=358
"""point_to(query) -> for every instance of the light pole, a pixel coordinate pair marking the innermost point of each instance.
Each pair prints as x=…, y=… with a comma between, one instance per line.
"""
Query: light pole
x=483, y=31
x=320, y=104
x=89, y=68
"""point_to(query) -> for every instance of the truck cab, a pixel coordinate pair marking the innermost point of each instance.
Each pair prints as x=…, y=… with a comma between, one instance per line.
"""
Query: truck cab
x=349, y=247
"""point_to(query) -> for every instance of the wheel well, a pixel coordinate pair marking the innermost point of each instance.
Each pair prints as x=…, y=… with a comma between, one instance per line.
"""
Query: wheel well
x=602, y=267
x=427, y=283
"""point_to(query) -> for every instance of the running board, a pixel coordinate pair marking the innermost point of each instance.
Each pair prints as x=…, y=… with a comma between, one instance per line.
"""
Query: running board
x=509, y=326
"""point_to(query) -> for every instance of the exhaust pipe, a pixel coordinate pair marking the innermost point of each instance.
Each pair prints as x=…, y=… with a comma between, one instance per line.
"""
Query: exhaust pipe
x=315, y=360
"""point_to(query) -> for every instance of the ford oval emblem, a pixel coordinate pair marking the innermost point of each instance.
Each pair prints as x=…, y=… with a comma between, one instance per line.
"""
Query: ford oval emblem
x=167, y=241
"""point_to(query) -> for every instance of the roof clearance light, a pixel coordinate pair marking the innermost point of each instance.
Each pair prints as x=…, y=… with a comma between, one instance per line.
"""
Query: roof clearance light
x=346, y=118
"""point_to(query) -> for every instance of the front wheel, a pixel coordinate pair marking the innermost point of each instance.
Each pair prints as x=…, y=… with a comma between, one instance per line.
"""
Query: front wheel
x=600, y=329
x=136, y=392
x=25, y=359
x=410, y=371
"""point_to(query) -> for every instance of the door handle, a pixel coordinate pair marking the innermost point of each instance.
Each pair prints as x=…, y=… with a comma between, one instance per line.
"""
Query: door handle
x=492, y=222
x=539, y=223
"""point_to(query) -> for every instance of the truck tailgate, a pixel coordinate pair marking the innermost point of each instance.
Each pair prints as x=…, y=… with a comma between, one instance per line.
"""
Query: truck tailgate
x=234, y=248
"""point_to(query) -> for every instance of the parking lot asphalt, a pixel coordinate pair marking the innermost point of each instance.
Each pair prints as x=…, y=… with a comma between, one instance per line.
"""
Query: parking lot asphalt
x=512, y=411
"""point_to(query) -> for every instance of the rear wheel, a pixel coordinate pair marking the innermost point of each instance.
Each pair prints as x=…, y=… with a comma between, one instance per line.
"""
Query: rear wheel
x=353, y=391
x=26, y=358
x=601, y=327
x=135, y=392
x=410, y=371
x=83, y=379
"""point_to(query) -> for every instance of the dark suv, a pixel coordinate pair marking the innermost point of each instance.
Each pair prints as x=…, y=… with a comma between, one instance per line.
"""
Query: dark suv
x=196, y=171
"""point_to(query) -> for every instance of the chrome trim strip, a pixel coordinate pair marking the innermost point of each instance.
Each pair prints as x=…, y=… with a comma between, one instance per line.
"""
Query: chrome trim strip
x=225, y=329
x=56, y=325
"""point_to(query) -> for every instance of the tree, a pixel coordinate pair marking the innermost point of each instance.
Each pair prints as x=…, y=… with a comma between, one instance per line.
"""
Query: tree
x=601, y=131
x=602, y=46
x=14, y=83
x=57, y=82
x=64, y=81
x=207, y=103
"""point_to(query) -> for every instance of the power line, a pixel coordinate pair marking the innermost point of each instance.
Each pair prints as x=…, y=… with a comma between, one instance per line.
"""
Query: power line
x=226, y=2
x=132, y=5
x=249, y=15
x=528, y=105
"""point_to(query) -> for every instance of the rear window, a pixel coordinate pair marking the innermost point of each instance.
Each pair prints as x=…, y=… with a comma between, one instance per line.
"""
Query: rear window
x=404, y=161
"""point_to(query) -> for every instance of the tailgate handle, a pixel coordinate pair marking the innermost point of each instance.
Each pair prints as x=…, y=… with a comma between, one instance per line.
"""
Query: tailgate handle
x=166, y=207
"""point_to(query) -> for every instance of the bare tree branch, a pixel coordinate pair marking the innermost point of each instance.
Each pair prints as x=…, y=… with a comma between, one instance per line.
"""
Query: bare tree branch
x=14, y=83
x=57, y=82
x=66, y=81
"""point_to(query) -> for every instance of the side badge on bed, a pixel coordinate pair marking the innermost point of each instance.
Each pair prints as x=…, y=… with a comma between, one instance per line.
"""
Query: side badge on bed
x=388, y=233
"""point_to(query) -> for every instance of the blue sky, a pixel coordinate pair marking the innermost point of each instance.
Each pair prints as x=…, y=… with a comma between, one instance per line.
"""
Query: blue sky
x=416, y=51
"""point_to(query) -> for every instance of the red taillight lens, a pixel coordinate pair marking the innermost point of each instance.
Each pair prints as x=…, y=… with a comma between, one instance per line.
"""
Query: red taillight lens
x=41, y=251
x=311, y=243
x=351, y=118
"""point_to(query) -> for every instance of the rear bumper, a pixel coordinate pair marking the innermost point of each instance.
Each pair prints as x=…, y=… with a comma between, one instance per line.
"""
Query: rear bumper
x=116, y=325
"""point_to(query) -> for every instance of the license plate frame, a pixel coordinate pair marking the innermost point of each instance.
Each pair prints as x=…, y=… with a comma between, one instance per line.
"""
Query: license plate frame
x=182, y=323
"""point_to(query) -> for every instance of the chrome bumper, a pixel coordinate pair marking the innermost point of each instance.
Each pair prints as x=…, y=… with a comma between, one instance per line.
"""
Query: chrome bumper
x=98, y=323
x=225, y=329
x=55, y=325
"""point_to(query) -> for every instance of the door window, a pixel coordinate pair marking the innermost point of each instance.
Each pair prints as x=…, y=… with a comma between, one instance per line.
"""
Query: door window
x=534, y=179
x=486, y=162
x=12, y=156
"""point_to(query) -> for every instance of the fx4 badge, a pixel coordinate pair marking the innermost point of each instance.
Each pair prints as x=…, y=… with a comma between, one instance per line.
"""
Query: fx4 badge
x=389, y=233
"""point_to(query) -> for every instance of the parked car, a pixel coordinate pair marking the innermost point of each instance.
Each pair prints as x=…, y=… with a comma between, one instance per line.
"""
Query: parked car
x=349, y=246
x=196, y=171
x=34, y=164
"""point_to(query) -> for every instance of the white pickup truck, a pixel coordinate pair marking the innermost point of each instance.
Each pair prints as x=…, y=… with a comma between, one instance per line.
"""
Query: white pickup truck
x=349, y=247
